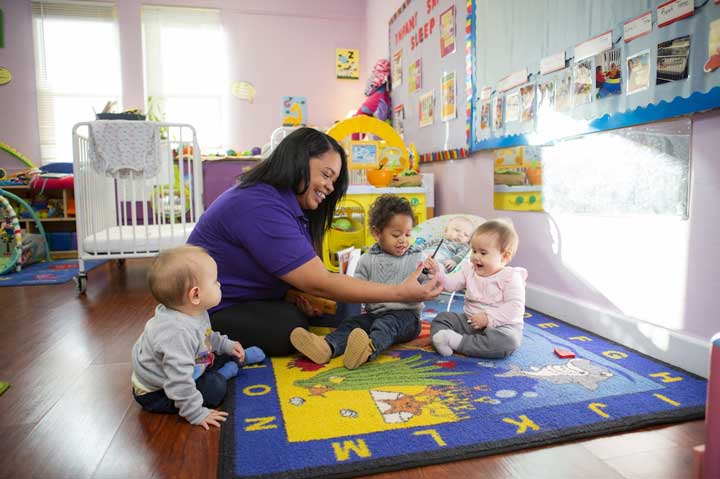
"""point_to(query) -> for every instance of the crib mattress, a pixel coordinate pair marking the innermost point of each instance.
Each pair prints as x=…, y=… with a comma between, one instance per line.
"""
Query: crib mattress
x=153, y=238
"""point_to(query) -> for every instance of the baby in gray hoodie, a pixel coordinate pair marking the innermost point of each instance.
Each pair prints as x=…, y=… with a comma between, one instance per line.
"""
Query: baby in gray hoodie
x=390, y=260
x=175, y=366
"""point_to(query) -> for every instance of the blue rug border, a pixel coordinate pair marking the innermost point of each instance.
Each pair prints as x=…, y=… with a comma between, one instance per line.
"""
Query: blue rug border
x=227, y=448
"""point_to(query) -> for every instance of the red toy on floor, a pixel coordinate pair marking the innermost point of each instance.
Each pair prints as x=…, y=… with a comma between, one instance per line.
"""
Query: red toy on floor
x=564, y=353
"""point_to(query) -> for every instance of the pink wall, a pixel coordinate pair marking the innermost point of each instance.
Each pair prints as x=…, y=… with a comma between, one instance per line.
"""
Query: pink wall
x=283, y=47
x=18, y=108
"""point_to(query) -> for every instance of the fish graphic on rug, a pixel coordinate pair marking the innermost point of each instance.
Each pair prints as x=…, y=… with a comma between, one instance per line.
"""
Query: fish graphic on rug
x=575, y=371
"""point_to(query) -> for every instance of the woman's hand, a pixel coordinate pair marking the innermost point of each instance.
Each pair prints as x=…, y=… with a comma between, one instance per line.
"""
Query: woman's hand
x=412, y=291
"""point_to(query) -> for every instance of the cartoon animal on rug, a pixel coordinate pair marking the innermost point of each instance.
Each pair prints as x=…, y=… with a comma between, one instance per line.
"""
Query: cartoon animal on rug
x=396, y=407
x=575, y=371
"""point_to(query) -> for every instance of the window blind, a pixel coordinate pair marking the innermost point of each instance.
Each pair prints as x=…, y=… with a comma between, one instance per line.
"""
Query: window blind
x=77, y=59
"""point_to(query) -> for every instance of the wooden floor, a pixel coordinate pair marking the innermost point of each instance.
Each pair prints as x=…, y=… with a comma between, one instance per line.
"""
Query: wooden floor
x=70, y=414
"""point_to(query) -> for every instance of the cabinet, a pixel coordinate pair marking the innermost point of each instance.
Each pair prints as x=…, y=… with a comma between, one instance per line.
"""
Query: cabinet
x=56, y=209
x=220, y=174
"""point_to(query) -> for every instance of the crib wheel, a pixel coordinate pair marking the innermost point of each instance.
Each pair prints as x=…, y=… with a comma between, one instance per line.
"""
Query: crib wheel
x=81, y=283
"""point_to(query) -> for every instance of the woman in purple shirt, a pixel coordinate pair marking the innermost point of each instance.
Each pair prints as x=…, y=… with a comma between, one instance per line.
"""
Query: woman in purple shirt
x=265, y=235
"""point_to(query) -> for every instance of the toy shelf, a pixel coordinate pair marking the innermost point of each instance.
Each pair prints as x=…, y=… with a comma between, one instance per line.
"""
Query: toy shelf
x=59, y=229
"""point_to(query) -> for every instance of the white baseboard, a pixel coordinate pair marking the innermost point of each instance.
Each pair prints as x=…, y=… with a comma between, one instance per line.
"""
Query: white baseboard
x=682, y=350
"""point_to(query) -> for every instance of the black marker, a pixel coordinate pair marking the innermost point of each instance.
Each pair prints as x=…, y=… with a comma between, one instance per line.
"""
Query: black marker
x=425, y=270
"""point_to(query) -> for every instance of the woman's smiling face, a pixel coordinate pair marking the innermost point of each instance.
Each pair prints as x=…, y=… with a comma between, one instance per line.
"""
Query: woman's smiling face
x=324, y=171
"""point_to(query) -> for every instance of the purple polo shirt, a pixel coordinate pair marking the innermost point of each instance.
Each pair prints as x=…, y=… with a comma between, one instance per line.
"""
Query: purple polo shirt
x=255, y=235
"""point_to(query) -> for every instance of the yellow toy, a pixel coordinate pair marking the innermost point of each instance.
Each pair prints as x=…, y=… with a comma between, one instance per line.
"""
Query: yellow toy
x=394, y=149
x=351, y=219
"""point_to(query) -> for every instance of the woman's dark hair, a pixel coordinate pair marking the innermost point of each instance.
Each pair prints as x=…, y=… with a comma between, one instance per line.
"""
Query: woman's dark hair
x=288, y=167
x=385, y=207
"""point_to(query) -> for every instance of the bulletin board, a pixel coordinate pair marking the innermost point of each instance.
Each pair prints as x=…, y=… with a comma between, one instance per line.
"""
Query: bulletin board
x=430, y=52
x=555, y=69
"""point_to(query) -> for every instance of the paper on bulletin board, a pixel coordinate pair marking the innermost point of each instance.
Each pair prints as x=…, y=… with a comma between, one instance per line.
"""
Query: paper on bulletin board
x=637, y=27
x=415, y=76
x=347, y=63
x=398, y=120
x=396, y=69
x=426, y=109
x=713, y=61
x=638, y=68
x=448, y=94
x=447, y=32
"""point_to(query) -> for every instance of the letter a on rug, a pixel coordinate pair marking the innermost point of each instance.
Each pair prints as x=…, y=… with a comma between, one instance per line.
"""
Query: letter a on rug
x=292, y=418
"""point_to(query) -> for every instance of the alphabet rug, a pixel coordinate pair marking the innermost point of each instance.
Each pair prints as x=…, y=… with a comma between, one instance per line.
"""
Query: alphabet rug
x=291, y=418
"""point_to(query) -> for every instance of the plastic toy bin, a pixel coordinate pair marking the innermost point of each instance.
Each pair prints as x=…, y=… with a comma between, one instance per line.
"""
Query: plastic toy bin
x=62, y=241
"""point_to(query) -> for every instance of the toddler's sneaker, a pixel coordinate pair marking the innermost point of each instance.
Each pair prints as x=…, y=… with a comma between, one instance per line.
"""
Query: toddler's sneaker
x=311, y=345
x=358, y=350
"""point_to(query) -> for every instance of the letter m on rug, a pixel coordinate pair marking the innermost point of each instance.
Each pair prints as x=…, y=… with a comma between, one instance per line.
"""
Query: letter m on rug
x=342, y=451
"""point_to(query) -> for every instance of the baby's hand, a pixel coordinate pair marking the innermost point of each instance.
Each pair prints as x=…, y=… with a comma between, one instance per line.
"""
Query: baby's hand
x=449, y=265
x=238, y=351
x=479, y=321
x=215, y=418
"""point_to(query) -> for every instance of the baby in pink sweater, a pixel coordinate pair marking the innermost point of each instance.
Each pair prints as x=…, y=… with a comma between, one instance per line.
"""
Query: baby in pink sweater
x=491, y=325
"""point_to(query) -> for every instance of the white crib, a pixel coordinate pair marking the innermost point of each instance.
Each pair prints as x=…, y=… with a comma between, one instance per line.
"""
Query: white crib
x=129, y=215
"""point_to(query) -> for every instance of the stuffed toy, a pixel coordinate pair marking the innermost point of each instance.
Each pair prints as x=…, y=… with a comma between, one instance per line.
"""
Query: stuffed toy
x=377, y=103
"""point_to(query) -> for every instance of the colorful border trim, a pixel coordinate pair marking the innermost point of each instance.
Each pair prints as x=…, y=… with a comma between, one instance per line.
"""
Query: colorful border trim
x=455, y=154
x=398, y=12
x=469, y=80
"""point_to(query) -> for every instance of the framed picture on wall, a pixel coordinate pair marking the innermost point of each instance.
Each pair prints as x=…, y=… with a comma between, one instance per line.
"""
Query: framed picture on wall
x=347, y=63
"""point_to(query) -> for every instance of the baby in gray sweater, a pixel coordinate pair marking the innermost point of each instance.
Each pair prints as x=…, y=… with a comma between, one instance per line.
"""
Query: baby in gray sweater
x=390, y=261
x=175, y=368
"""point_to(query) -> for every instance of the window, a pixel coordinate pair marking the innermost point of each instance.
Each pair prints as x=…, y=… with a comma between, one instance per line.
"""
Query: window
x=184, y=69
x=77, y=59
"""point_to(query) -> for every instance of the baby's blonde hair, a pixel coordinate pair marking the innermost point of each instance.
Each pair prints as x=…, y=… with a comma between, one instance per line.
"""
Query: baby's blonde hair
x=172, y=274
x=459, y=218
x=504, y=231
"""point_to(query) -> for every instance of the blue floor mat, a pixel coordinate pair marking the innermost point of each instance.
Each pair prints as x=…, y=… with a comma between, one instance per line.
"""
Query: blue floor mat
x=47, y=272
